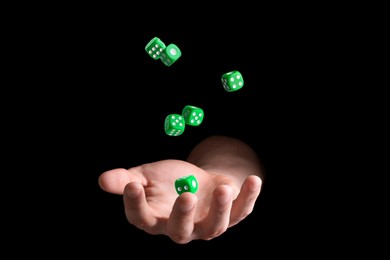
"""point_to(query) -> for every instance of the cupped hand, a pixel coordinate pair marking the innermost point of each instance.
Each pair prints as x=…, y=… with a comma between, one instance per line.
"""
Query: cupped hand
x=152, y=204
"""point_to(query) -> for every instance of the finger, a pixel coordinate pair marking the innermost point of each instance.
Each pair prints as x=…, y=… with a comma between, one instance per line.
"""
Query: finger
x=244, y=203
x=180, y=224
x=114, y=181
x=217, y=220
x=137, y=209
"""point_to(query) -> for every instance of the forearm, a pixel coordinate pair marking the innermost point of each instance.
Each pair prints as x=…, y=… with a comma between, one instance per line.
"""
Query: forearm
x=221, y=154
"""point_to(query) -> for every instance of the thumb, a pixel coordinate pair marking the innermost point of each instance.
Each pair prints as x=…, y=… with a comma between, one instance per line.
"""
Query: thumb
x=114, y=181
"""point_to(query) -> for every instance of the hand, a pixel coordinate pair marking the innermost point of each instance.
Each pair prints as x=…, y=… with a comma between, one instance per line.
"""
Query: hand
x=152, y=204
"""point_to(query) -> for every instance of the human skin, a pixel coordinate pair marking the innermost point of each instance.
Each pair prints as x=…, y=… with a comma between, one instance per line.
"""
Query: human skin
x=229, y=175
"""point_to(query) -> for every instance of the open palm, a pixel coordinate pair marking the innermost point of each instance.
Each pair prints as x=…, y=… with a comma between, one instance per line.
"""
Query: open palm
x=153, y=205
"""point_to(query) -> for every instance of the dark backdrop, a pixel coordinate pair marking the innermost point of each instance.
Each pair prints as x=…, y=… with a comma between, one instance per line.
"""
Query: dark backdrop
x=104, y=107
x=131, y=94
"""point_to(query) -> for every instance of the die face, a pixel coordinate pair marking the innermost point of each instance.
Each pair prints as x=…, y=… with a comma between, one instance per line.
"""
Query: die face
x=155, y=48
x=170, y=54
x=186, y=184
x=174, y=125
x=232, y=81
x=193, y=115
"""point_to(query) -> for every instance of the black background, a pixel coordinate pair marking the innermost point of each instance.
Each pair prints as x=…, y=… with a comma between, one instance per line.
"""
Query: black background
x=132, y=94
x=102, y=105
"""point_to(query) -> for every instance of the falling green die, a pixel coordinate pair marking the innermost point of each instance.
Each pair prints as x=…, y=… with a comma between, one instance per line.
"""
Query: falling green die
x=232, y=81
x=155, y=48
x=186, y=184
x=170, y=54
x=193, y=115
x=174, y=125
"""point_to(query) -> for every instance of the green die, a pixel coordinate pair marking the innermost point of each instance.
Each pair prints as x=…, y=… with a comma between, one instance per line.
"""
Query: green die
x=232, y=81
x=186, y=184
x=170, y=54
x=193, y=115
x=155, y=48
x=174, y=125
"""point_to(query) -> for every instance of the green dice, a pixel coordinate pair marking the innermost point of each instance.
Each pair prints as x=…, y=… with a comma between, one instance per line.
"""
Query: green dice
x=232, y=81
x=155, y=48
x=174, y=125
x=186, y=184
x=170, y=54
x=192, y=115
